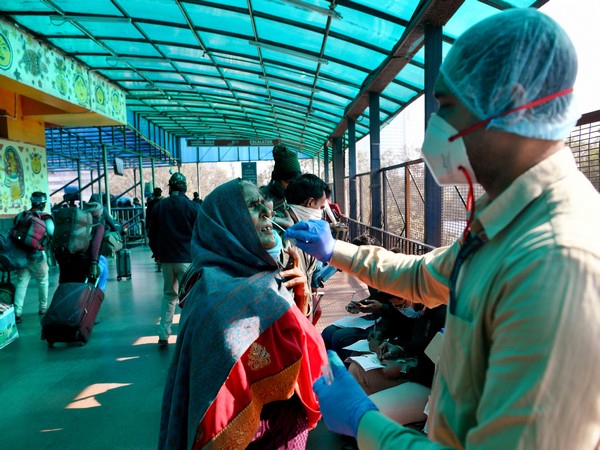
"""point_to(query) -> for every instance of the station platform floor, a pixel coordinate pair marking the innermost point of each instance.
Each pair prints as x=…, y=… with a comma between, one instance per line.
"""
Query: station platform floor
x=107, y=394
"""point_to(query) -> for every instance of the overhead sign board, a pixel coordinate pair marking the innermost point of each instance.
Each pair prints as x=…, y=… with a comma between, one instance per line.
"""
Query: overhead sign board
x=231, y=142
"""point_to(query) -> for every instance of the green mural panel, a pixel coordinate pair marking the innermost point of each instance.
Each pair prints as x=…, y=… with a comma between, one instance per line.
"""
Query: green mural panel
x=24, y=59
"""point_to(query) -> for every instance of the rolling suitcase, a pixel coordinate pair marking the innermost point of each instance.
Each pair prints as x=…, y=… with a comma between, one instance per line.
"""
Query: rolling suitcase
x=124, y=264
x=72, y=313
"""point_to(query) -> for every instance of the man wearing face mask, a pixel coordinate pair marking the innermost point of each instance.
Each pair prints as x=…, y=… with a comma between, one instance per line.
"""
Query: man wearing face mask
x=521, y=349
x=306, y=197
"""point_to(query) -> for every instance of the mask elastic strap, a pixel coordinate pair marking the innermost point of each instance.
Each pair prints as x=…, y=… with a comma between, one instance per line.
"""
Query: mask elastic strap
x=470, y=202
x=532, y=104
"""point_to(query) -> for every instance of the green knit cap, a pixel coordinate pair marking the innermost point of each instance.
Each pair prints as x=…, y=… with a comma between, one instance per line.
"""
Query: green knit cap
x=286, y=163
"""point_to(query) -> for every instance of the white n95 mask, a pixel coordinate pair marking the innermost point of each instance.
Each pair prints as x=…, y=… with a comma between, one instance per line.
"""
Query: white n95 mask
x=444, y=156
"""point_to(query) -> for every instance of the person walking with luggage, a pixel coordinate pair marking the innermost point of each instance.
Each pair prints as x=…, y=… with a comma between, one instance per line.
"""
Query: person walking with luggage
x=77, y=245
x=37, y=265
x=170, y=234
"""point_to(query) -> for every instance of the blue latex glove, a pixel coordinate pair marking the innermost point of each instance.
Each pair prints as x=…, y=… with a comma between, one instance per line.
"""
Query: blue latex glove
x=343, y=402
x=313, y=237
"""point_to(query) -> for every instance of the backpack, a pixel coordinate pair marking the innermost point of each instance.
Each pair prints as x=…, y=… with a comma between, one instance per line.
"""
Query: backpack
x=12, y=257
x=29, y=230
x=72, y=230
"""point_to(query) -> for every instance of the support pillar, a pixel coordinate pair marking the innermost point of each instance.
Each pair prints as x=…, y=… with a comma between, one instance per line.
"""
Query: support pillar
x=374, y=125
x=352, y=194
x=339, y=170
x=433, y=192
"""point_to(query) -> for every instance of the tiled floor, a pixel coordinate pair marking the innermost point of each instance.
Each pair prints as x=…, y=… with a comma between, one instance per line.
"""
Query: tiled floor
x=107, y=394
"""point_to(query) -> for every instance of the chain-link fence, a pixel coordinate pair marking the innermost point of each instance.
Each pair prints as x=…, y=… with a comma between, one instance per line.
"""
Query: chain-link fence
x=584, y=142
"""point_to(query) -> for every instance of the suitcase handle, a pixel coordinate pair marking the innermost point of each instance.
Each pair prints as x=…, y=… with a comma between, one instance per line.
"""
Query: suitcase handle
x=95, y=284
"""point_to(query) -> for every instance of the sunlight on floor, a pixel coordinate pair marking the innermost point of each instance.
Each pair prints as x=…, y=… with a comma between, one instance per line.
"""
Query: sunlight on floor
x=176, y=318
x=87, y=399
x=127, y=358
x=145, y=340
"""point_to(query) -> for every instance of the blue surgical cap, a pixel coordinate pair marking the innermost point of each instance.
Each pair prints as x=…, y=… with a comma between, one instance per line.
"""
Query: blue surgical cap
x=510, y=59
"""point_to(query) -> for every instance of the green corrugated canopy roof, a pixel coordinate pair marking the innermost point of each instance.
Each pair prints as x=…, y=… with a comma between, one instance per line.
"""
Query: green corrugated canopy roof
x=239, y=70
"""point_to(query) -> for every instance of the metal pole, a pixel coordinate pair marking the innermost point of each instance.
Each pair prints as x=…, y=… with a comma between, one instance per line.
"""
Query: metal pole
x=198, y=170
x=326, y=162
x=99, y=182
x=153, y=175
x=143, y=200
x=106, y=183
x=135, y=182
x=79, y=183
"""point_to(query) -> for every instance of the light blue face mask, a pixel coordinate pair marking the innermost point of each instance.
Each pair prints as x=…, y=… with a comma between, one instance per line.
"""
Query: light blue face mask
x=276, y=251
x=411, y=313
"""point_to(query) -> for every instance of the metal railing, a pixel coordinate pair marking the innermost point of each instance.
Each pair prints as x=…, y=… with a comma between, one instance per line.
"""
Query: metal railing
x=388, y=239
x=131, y=220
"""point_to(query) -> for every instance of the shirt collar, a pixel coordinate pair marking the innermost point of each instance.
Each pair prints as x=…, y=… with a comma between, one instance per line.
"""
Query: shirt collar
x=496, y=215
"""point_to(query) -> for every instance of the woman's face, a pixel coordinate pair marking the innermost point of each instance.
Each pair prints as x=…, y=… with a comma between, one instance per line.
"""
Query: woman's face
x=260, y=214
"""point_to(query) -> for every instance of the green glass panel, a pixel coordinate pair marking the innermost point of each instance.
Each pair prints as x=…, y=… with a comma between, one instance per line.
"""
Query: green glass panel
x=247, y=87
x=237, y=63
x=164, y=76
x=77, y=45
x=183, y=53
x=207, y=81
x=341, y=51
x=222, y=20
x=153, y=9
x=399, y=93
x=121, y=75
x=412, y=75
x=197, y=68
x=172, y=34
x=337, y=71
x=331, y=98
x=402, y=9
x=366, y=28
x=43, y=25
x=471, y=12
x=126, y=48
x=296, y=37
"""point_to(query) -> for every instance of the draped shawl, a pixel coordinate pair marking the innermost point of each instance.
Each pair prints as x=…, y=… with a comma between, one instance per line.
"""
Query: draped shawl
x=237, y=295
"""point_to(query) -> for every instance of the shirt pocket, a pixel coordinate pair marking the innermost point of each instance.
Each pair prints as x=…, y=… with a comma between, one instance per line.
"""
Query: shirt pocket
x=456, y=362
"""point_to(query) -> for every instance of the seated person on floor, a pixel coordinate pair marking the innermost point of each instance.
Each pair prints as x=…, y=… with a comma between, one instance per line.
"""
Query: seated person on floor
x=378, y=307
x=386, y=319
x=401, y=389
x=246, y=357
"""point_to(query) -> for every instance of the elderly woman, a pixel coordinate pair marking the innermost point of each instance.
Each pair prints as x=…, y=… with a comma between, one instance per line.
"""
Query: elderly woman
x=246, y=358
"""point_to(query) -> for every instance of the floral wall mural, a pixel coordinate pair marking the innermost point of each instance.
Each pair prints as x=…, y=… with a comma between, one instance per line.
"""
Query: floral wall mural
x=23, y=170
x=30, y=62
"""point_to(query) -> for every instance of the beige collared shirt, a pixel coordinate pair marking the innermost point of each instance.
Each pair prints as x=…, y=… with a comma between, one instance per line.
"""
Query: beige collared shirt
x=520, y=367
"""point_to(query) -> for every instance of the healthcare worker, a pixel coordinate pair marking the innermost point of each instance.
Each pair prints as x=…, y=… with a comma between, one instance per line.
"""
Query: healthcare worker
x=520, y=363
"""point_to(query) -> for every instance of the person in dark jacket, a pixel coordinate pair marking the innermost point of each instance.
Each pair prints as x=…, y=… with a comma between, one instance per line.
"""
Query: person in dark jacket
x=152, y=201
x=170, y=234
